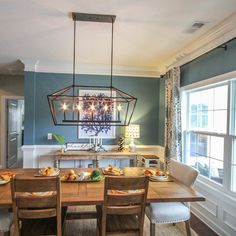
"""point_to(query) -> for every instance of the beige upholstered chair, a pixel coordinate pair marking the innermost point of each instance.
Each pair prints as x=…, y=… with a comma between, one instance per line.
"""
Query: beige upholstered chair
x=173, y=212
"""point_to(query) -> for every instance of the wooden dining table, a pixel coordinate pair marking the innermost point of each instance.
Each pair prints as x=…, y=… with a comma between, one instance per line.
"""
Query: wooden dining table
x=92, y=193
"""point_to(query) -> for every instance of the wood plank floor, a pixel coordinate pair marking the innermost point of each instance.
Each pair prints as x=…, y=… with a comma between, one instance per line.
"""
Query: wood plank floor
x=88, y=227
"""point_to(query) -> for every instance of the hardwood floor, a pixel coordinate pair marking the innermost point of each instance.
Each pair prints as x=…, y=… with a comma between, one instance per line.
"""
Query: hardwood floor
x=200, y=227
x=88, y=227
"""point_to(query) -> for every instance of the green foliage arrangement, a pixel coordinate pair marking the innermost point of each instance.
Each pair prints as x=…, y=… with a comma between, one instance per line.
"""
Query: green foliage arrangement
x=59, y=138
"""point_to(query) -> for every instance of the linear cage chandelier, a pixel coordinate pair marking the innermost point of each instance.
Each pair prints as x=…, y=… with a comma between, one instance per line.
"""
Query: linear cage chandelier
x=78, y=105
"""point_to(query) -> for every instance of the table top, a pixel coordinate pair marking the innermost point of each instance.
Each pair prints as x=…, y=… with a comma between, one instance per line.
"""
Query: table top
x=92, y=193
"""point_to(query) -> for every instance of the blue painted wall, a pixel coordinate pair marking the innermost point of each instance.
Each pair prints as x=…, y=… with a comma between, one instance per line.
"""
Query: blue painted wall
x=38, y=121
x=216, y=62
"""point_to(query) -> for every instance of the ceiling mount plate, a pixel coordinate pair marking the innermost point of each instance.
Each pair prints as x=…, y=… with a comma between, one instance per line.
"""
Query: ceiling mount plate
x=93, y=17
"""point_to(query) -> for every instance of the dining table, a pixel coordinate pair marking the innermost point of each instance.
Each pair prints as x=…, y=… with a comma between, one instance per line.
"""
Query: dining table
x=92, y=193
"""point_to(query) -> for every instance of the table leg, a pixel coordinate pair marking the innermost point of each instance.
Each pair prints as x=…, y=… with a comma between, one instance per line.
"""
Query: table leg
x=57, y=163
x=96, y=163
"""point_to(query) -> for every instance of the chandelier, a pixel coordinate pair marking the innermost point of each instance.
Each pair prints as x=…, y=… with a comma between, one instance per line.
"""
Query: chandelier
x=78, y=105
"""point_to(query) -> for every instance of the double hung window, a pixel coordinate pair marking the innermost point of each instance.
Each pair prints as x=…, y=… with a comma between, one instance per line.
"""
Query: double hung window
x=210, y=132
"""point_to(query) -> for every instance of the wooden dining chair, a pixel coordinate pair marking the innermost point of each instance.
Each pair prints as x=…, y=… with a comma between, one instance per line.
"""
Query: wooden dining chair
x=173, y=212
x=124, y=205
x=5, y=222
x=37, y=206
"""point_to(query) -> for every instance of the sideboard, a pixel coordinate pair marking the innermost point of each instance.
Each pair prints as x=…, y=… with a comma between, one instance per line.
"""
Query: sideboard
x=95, y=157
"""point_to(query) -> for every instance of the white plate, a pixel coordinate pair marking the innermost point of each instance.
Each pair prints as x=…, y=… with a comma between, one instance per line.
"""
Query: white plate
x=159, y=177
x=2, y=182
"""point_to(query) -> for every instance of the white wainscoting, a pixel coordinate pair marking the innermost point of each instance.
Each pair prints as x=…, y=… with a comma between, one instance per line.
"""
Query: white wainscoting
x=35, y=156
x=219, y=209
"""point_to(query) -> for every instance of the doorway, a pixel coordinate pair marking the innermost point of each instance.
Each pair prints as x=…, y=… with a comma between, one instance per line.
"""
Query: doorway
x=12, y=127
x=15, y=133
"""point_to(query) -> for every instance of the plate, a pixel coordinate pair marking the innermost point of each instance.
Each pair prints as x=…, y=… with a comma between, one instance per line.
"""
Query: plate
x=160, y=178
x=55, y=173
x=82, y=177
x=2, y=182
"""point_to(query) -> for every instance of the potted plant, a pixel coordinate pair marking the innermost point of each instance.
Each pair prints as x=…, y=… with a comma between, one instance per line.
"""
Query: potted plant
x=61, y=140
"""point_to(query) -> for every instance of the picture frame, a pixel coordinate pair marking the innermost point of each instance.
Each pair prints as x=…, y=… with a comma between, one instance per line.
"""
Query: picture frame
x=101, y=131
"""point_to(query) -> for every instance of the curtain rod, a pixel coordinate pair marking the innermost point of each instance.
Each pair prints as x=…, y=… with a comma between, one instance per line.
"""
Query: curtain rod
x=223, y=45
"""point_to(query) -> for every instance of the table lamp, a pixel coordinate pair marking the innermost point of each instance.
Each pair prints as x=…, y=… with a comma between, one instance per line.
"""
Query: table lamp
x=132, y=132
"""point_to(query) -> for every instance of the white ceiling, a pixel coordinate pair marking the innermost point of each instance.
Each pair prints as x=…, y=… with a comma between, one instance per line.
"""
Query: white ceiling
x=146, y=32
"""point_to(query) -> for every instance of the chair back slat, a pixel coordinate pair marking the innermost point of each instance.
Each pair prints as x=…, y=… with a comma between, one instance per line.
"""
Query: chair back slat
x=36, y=184
x=36, y=214
x=125, y=199
x=124, y=210
x=124, y=183
x=37, y=202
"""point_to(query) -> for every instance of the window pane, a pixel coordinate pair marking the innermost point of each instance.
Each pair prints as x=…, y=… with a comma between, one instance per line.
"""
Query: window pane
x=193, y=144
x=217, y=148
x=234, y=152
x=233, y=182
x=216, y=170
x=220, y=121
x=202, y=164
x=220, y=97
x=233, y=169
x=206, y=154
x=203, y=145
x=208, y=109
x=206, y=99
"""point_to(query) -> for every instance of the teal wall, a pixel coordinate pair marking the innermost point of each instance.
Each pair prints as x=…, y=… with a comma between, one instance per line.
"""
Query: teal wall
x=38, y=121
x=216, y=62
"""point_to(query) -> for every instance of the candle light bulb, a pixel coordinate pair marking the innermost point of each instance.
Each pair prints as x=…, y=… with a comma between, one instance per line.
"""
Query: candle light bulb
x=105, y=107
x=92, y=107
x=119, y=107
x=78, y=107
x=64, y=106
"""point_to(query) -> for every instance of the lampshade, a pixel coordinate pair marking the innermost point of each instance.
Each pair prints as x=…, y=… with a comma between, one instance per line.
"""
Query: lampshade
x=132, y=131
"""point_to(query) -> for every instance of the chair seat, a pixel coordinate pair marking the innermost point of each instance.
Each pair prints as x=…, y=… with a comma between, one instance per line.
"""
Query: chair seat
x=45, y=226
x=5, y=220
x=167, y=212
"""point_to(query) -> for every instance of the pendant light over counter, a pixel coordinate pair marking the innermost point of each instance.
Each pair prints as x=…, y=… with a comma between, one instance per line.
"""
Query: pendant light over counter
x=77, y=105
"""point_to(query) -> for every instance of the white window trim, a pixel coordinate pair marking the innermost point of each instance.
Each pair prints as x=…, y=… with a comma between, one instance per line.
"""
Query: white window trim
x=212, y=82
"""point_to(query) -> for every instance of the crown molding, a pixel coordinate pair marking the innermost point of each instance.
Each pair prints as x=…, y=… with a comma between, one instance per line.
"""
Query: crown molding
x=92, y=69
x=215, y=37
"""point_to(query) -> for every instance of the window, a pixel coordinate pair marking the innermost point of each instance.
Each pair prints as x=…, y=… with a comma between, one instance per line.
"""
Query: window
x=210, y=133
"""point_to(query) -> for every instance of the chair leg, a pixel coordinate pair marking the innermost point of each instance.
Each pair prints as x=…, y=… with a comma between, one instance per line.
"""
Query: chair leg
x=187, y=225
x=5, y=233
x=152, y=229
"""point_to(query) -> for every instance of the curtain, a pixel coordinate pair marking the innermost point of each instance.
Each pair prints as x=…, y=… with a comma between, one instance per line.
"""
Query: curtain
x=173, y=135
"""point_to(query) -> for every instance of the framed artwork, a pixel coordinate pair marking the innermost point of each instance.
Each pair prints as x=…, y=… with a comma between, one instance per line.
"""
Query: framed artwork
x=104, y=130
